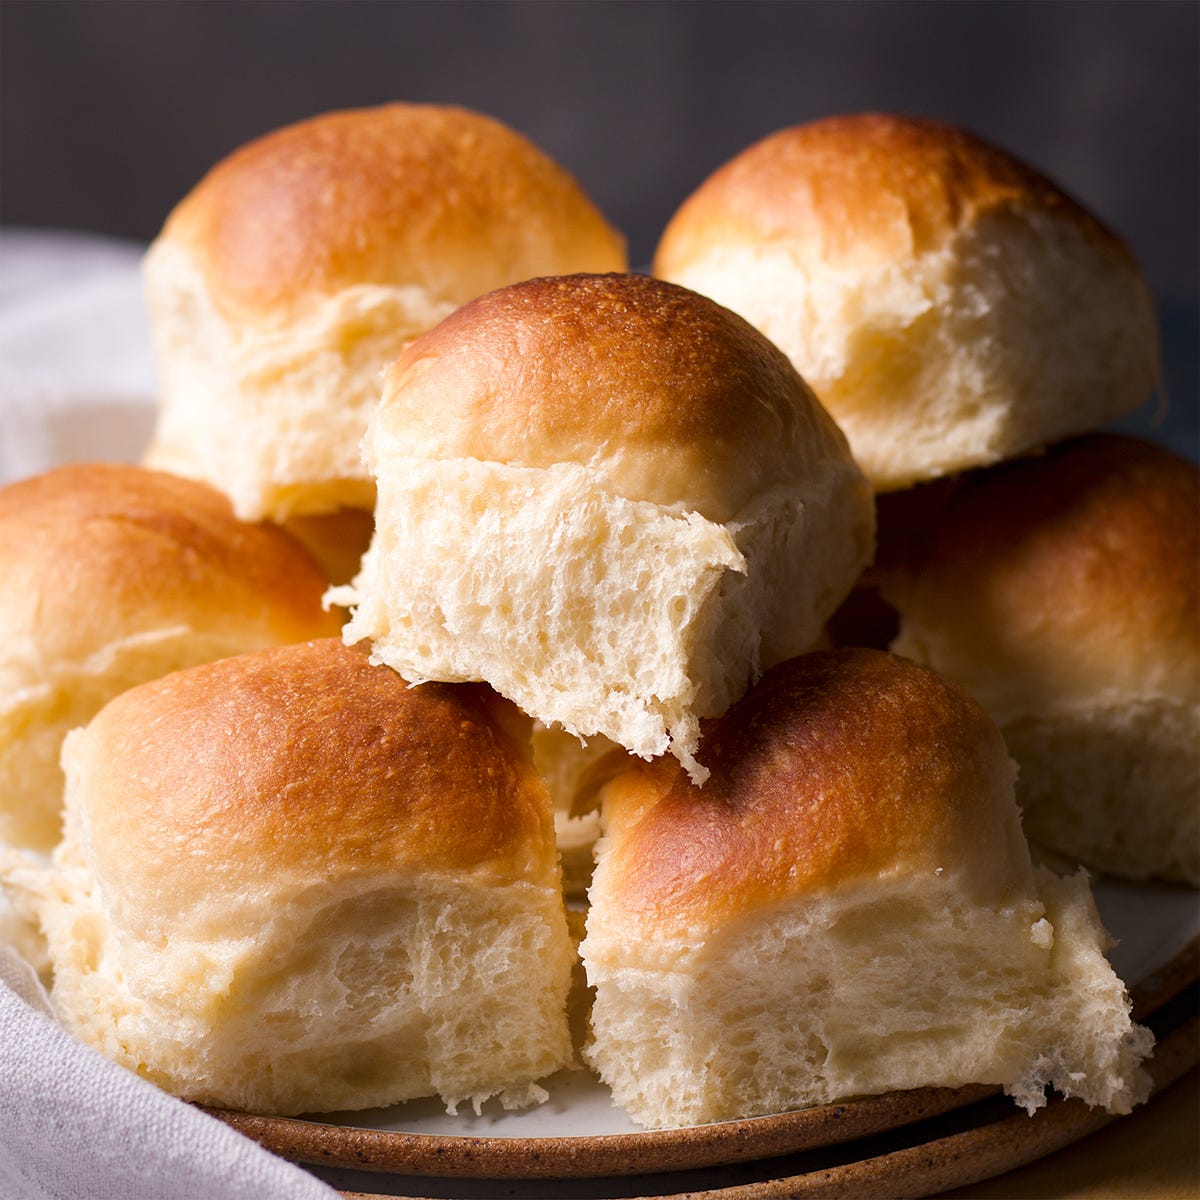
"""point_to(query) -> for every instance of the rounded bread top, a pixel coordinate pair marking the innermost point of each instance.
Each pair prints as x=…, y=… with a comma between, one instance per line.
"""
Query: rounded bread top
x=95, y=553
x=298, y=766
x=1073, y=572
x=438, y=198
x=852, y=189
x=837, y=769
x=675, y=399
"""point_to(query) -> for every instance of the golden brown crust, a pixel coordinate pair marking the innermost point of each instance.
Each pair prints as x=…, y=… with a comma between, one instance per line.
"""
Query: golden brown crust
x=303, y=763
x=336, y=540
x=97, y=552
x=836, y=768
x=868, y=184
x=680, y=400
x=1074, y=567
x=435, y=197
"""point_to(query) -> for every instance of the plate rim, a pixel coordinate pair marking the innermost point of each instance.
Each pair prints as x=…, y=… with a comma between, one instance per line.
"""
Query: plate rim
x=308, y=1140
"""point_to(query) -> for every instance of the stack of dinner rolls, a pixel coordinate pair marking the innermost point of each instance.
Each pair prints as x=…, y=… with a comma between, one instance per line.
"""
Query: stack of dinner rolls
x=610, y=498
x=114, y=575
x=954, y=311
x=302, y=264
x=501, y=551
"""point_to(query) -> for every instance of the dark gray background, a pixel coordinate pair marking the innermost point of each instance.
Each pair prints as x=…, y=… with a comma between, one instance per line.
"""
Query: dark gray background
x=111, y=109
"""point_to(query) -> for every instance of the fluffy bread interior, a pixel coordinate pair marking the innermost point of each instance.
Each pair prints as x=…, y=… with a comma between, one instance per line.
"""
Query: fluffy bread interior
x=1061, y=591
x=1113, y=785
x=335, y=998
x=950, y=305
x=600, y=614
x=961, y=357
x=274, y=418
x=904, y=985
x=611, y=499
x=847, y=907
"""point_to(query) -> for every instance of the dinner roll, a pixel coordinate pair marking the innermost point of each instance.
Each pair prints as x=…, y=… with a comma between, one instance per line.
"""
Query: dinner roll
x=300, y=265
x=1061, y=591
x=111, y=575
x=949, y=305
x=611, y=499
x=847, y=907
x=291, y=883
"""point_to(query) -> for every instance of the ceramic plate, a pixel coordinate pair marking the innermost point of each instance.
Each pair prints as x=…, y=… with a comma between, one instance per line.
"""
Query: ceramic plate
x=579, y=1132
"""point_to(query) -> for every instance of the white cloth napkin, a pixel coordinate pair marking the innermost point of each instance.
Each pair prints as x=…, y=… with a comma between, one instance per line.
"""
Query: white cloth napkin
x=76, y=382
x=76, y=1127
x=76, y=374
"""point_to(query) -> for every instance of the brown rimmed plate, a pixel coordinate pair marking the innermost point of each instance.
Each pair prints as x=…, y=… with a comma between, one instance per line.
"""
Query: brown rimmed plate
x=578, y=1133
